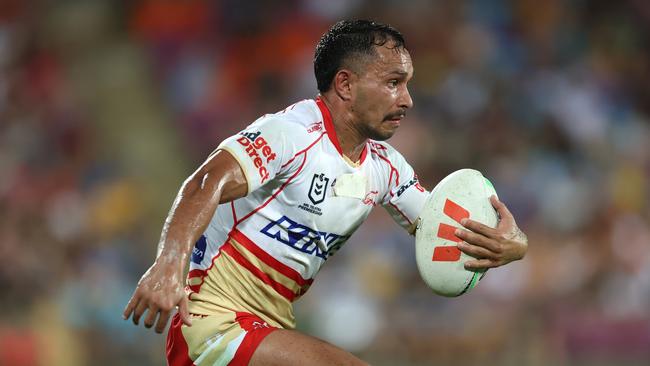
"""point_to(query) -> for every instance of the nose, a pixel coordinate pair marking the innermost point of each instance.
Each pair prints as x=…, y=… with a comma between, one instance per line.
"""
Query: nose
x=405, y=100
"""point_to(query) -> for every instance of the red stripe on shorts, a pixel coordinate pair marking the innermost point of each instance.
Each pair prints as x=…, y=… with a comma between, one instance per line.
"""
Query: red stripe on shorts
x=177, y=350
x=256, y=330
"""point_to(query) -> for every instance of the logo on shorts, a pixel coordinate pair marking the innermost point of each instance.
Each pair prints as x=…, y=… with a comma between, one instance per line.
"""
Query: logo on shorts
x=318, y=188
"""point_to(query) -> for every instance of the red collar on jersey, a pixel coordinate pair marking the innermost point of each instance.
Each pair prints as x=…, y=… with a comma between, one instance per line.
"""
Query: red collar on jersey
x=331, y=132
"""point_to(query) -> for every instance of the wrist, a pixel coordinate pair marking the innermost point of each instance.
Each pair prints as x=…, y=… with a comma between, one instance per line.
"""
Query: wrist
x=172, y=259
x=522, y=249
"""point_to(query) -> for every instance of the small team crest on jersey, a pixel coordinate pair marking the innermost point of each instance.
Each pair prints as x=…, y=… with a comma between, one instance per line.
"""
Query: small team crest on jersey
x=318, y=188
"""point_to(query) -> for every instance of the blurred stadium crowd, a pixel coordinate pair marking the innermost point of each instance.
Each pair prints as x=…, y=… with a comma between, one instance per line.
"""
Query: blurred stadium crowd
x=106, y=107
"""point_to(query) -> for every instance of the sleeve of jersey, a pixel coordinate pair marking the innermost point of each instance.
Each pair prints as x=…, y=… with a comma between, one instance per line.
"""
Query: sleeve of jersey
x=406, y=197
x=261, y=150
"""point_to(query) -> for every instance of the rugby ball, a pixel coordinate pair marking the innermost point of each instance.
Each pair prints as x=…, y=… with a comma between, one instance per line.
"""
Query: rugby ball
x=462, y=194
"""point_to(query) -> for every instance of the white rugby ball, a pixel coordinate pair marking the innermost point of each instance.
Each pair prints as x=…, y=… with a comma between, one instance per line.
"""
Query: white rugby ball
x=463, y=193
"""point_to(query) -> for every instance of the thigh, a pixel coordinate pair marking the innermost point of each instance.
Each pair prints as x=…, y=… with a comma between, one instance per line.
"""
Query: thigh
x=288, y=348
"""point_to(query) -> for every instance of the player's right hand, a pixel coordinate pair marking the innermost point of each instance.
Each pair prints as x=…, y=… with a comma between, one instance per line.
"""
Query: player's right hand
x=159, y=290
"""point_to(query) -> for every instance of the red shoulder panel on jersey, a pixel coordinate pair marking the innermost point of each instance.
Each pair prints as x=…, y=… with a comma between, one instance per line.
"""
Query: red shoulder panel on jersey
x=331, y=132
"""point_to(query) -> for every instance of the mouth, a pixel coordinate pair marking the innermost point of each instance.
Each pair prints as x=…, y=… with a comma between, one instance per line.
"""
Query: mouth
x=396, y=116
x=395, y=119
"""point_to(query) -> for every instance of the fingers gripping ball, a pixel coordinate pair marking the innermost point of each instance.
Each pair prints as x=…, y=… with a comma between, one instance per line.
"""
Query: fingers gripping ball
x=462, y=194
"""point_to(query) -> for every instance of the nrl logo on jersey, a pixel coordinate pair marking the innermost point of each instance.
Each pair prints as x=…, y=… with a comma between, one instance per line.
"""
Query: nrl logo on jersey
x=318, y=188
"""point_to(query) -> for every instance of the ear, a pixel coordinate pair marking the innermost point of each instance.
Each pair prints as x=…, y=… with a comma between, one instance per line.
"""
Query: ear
x=343, y=82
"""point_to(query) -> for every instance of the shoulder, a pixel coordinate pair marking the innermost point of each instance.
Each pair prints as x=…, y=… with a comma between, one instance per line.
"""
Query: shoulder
x=390, y=161
x=299, y=125
x=384, y=151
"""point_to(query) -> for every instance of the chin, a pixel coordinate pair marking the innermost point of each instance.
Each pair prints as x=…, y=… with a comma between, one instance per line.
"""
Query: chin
x=381, y=135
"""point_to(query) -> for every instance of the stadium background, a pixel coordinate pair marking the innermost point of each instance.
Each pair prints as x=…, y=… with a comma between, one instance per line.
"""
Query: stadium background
x=106, y=106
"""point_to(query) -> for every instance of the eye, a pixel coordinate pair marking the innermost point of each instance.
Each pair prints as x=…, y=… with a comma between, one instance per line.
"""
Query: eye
x=393, y=83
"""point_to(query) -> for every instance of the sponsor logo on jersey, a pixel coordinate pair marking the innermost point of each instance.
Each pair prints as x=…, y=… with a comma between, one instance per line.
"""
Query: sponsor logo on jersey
x=407, y=185
x=258, y=150
x=318, y=188
x=199, y=250
x=318, y=126
x=304, y=239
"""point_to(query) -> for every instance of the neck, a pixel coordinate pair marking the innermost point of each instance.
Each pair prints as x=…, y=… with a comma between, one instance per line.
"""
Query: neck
x=351, y=140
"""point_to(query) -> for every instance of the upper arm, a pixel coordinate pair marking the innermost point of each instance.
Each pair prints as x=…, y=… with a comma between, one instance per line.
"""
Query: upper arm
x=219, y=179
x=222, y=175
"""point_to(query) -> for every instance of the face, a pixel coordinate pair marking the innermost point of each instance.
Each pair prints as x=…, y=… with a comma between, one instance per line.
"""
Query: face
x=380, y=96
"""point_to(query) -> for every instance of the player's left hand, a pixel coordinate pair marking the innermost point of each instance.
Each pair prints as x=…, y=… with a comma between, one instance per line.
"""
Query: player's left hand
x=492, y=247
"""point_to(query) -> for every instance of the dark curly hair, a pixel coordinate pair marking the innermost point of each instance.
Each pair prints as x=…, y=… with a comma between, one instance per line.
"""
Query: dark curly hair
x=347, y=39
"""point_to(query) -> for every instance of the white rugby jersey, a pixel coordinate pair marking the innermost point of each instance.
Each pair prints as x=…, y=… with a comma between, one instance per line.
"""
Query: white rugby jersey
x=305, y=199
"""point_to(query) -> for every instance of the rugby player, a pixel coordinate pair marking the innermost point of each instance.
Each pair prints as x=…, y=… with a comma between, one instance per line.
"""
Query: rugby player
x=263, y=213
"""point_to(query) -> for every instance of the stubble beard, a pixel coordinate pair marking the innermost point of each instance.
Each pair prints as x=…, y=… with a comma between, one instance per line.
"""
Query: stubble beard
x=376, y=133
